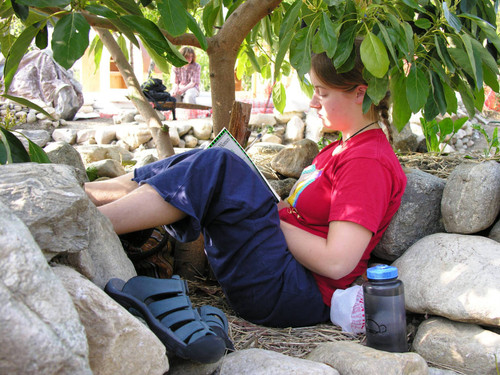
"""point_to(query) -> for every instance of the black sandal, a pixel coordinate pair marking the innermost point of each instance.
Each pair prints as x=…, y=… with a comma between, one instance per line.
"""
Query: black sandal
x=166, y=308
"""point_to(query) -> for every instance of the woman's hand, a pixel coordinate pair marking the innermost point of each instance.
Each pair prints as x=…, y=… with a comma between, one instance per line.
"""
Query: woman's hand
x=334, y=257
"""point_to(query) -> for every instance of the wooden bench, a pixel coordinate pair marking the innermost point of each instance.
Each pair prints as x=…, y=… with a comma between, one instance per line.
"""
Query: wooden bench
x=171, y=106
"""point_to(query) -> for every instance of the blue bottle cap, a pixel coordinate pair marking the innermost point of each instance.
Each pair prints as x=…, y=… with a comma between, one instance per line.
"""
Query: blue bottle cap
x=382, y=272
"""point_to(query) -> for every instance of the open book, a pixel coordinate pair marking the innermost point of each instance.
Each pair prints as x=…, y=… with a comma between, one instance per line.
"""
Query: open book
x=226, y=140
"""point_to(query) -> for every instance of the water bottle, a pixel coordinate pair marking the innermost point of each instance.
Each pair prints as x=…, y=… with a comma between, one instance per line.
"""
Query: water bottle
x=385, y=315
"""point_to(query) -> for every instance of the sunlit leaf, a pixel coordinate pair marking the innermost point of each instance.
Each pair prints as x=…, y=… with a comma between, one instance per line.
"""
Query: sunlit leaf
x=452, y=19
x=173, y=16
x=151, y=35
x=374, y=55
x=100, y=10
x=196, y=30
x=70, y=39
x=44, y=3
x=328, y=33
x=279, y=97
x=16, y=53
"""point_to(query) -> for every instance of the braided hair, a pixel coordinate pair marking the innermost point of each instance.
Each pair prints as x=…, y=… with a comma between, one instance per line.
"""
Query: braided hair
x=324, y=69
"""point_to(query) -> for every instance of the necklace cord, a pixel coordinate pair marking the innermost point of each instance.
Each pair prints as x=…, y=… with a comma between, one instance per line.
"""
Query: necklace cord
x=360, y=130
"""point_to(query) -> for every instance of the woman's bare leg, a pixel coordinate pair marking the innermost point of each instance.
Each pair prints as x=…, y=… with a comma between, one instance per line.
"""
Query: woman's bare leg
x=107, y=191
x=142, y=208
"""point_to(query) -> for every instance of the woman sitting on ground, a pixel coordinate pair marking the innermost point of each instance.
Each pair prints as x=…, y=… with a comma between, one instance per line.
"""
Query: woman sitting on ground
x=278, y=265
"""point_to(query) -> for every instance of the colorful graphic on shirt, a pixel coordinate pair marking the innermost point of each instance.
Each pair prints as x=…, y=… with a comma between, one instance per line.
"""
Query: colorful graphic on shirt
x=308, y=176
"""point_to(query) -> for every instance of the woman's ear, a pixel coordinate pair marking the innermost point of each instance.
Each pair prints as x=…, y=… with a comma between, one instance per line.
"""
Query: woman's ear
x=360, y=93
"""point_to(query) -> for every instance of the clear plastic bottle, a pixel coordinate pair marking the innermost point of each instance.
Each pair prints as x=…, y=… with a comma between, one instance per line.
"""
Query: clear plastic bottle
x=385, y=313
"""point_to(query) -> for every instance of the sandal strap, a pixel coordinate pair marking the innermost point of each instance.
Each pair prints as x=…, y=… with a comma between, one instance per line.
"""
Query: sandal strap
x=169, y=305
x=156, y=287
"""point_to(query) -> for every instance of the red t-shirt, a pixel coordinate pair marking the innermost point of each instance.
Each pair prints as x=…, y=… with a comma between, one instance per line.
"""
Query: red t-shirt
x=362, y=182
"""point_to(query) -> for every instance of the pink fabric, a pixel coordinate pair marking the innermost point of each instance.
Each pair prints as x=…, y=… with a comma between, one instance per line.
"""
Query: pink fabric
x=188, y=73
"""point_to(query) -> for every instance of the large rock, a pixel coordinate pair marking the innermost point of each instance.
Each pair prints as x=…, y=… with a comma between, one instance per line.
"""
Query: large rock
x=118, y=342
x=495, y=232
x=133, y=135
x=64, y=153
x=91, y=153
x=50, y=201
x=350, y=358
x=466, y=348
x=265, y=362
x=471, y=197
x=63, y=221
x=454, y=276
x=418, y=216
x=292, y=160
x=39, y=327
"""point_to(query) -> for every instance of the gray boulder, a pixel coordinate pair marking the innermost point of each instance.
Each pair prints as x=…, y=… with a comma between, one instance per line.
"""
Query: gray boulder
x=466, y=348
x=292, y=160
x=418, y=216
x=63, y=221
x=350, y=358
x=454, y=276
x=64, y=153
x=471, y=197
x=39, y=326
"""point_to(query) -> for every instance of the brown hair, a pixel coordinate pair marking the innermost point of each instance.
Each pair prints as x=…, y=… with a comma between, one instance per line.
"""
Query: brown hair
x=185, y=51
x=324, y=69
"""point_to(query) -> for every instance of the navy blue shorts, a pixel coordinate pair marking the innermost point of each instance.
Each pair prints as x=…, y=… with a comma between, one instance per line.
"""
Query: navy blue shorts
x=238, y=217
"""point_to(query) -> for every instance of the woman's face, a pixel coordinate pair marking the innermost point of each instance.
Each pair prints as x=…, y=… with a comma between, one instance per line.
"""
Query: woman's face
x=335, y=107
x=189, y=58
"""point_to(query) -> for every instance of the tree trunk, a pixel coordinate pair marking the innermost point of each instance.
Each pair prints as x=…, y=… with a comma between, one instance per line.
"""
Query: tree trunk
x=158, y=130
x=222, y=51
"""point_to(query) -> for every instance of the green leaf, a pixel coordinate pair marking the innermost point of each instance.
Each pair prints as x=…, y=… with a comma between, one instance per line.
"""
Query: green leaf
x=479, y=99
x=253, y=59
x=408, y=31
x=99, y=10
x=153, y=37
x=37, y=154
x=443, y=53
x=467, y=98
x=423, y=23
x=196, y=30
x=300, y=52
x=374, y=55
x=123, y=46
x=42, y=38
x=279, y=97
x=27, y=103
x=487, y=28
x=70, y=39
x=459, y=122
x=44, y=3
x=16, y=53
x=417, y=88
x=451, y=100
x=124, y=29
x=387, y=39
x=431, y=109
x=452, y=19
x=401, y=111
x=173, y=16
x=12, y=149
x=284, y=45
x=328, y=33
x=290, y=19
x=377, y=87
x=413, y=4
x=438, y=92
x=474, y=60
x=160, y=62
x=344, y=46
x=210, y=13
x=445, y=128
x=21, y=11
x=490, y=79
x=123, y=6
